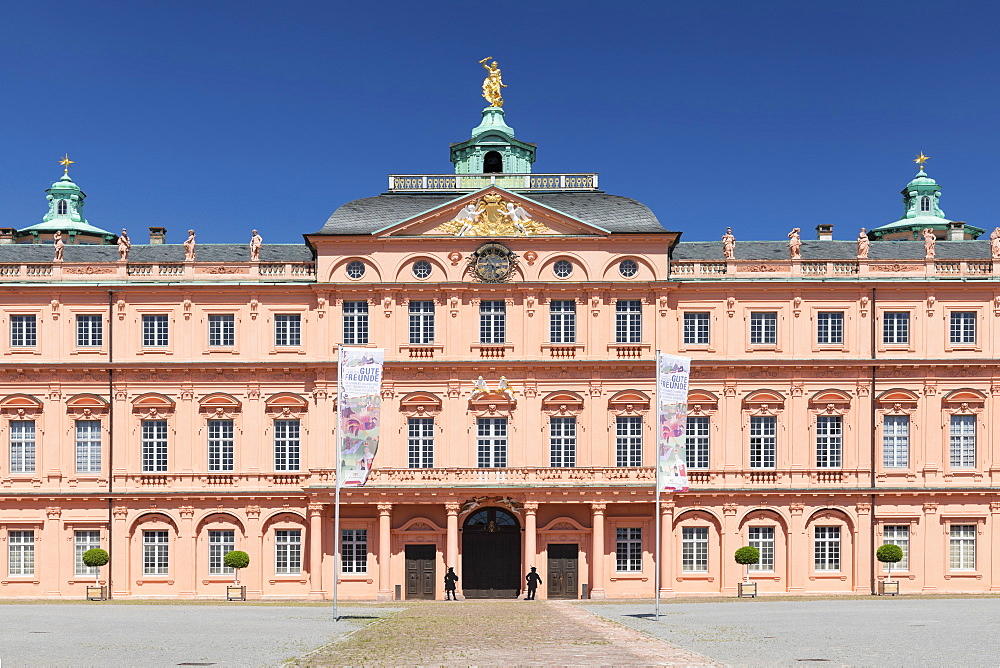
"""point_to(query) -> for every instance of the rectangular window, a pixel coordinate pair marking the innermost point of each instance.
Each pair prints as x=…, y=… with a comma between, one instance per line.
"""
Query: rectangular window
x=962, y=547
x=421, y=322
x=222, y=330
x=355, y=323
x=694, y=550
x=896, y=441
x=898, y=535
x=420, y=433
x=20, y=553
x=696, y=443
x=354, y=551
x=288, y=330
x=23, y=331
x=492, y=321
x=628, y=321
x=963, y=441
x=628, y=441
x=963, y=327
x=830, y=328
x=83, y=541
x=829, y=441
x=88, y=446
x=763, y=539
x=154, y=446
x=22, y=446
x=220, y=445
x=155, y=552
x=696, y=328
x=220, y=543
x=89, y=331
x=827, y=548
x=288, y=551
x=286, y=445
x=763, y=441
x=562, y=321
x=562, y=441
x=628, y=550
x=764, y=328
x=491, y=442
x=896, y=327
x=155, y=331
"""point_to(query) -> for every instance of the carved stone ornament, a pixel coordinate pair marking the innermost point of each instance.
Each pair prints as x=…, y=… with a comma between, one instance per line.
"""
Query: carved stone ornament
x=492, y=216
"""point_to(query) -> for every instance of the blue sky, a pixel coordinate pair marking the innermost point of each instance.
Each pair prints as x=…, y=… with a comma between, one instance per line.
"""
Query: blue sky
x=228, y=116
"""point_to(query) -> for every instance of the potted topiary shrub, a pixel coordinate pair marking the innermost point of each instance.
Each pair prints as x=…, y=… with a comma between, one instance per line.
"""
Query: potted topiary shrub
x=889, y=554
x=747, y=555
x=95, y=558
x=236, y=560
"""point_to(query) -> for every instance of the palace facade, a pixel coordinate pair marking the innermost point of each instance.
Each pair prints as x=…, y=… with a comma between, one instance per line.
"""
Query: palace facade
x=171, y=403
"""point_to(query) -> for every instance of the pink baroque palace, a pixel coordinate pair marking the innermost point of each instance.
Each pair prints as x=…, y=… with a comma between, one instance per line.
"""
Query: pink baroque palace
x=174, y=402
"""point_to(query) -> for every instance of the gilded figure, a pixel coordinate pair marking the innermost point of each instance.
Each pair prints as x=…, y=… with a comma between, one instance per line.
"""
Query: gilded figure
x=492, y=83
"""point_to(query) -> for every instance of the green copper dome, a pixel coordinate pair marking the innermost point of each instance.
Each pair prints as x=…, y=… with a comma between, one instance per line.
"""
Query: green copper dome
x=65, y=215
x=921, y=210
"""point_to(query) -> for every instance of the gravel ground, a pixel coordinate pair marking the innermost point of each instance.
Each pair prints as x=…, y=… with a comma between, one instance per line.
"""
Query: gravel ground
x=869, y=631
x=100, y=634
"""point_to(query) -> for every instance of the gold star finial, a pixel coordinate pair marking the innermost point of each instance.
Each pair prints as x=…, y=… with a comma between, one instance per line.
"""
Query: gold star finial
x=921, y=159
x=66, y=162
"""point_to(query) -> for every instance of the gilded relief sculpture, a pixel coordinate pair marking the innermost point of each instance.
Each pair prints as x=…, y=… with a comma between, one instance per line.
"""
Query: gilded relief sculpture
x=492, y=83
x=492, y=216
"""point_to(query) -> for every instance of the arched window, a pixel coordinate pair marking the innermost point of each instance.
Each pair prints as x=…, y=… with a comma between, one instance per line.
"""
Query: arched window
x=925, y=203
x=61, y=207
x=492, y=163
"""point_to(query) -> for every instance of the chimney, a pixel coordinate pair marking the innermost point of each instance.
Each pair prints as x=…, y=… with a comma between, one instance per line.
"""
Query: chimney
x=157, y=236
x=7, y=235
x=824, y=232
x=956, y=230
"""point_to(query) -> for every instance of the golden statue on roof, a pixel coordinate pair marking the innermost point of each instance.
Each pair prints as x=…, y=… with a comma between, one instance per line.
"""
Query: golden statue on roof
x=492, y=83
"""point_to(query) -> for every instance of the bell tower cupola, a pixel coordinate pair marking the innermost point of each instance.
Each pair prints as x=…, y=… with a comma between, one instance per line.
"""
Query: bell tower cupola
x=65, y=215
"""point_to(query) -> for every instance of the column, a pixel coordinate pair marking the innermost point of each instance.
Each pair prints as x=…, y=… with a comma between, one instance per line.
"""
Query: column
x=185, y=573
x=316, y=551
x=531, y=540
x=51, y=562
x=666, y=564
x=597, y=590
x=253, y=577
x=864, y=552
x=384, y=551
x=993, y=531
x=119, y=548
x=730, y=572
x=797, y=550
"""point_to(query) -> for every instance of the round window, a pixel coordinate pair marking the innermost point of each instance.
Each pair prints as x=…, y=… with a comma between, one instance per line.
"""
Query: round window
x=628, y=268
x=562, y=269
x=356, y=269
x=422, y=269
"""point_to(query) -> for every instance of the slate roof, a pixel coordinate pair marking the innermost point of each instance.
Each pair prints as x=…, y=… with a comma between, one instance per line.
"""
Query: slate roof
x=833, y=250
x=19, y=253
x=610, y=212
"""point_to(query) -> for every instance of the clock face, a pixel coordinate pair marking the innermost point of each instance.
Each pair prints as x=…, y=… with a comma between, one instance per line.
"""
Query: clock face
x=494, y=265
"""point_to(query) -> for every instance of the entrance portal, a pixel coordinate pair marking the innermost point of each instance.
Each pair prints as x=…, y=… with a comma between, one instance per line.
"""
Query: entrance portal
x=562, y=572
x=420, y=571
x=491, y=554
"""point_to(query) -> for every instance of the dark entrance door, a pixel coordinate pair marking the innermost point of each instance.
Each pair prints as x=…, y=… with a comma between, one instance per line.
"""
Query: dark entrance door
x=420, y=578
x=491, y=555
x=562, y=575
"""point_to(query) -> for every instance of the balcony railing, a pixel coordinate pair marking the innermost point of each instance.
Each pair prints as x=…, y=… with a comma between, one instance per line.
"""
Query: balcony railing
x=151, y=272
x=470, y=182
x=783, y=269
x=513, y=476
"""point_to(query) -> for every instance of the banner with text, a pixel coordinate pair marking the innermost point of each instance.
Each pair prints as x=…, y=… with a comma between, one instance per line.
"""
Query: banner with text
x=672, y=375
x=359, y=405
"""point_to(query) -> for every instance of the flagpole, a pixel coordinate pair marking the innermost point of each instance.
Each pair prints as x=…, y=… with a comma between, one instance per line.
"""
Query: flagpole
x=337, y=478
x=656, y=519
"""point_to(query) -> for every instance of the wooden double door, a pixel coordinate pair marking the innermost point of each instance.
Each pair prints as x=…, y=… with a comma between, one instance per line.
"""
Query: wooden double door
x=421, y=573
x=562, y=579
x=491, y=555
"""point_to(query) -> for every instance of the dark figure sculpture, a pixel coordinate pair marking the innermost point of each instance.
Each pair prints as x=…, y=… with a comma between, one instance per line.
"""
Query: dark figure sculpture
x=449, y=585
x=533, y=579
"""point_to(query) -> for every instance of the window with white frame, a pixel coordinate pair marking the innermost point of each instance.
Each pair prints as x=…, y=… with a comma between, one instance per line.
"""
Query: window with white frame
x=155, y=552
x=354, y=551
x=287, y=330
x=220, y=445
x=356, y=323
x=23, y=331
x=697, y=328
x=962, y=441
x=492, y=321
x=286, y=445
x=763, y=441
x=562, y=321
x=830, y=328
x=628, y=549
x=962, y=327
x=829, y=441
x=826, y=547
x=154, y=446
x=896, y=327
x=925, y=203
x=491, y=442
x=20, y=553
x=288, y=551
x=763, y=539
x=696, y=442
x=694, y=550
x=83, y=541
x=562, y=441
x=220, y=543
x=896, y=441
x=88, y=446
x=421, y=322
x=89, y=331
x=155, y=331
x=420, y=442
x=962, y=547
x=222, y=330
x=22, y=446
x=628, y=321
x=763, y=328
x=628, y=440
x=898, y=535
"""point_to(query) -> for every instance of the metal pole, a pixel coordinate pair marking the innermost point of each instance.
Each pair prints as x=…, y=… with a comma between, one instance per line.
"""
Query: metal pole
x=336, y=503
x=656, y=520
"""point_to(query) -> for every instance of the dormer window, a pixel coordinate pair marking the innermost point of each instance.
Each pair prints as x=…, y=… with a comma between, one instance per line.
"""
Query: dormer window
x=61, y=207
x=492, y=163
x=925, y=203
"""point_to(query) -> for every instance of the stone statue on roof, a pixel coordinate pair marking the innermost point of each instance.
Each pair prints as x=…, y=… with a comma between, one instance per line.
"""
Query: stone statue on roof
x=255, y=243
x=795, y=244
x=995, y=243
x=863, y=244
x=124, y=245
x=729, y=244
x=189, y=247
x=929, y=241
x=59, y=244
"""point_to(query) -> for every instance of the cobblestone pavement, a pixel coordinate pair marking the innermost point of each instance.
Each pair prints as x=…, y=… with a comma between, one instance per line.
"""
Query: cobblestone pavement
x=499, y=633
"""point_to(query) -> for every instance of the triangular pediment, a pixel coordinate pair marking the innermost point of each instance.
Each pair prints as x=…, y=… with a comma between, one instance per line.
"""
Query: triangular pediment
x=491, y=213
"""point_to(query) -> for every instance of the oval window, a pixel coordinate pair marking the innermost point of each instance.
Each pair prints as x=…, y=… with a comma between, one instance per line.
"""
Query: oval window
x=356, y=269
x=422, y=269
x=628, y=268
x=562, y=269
